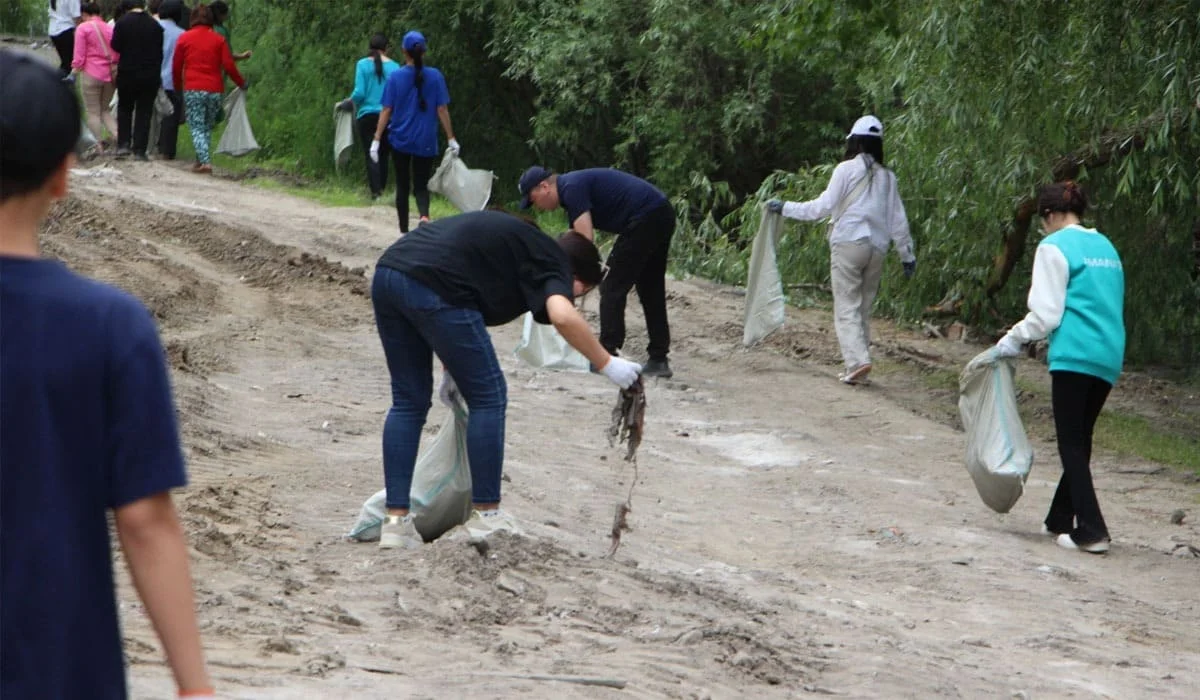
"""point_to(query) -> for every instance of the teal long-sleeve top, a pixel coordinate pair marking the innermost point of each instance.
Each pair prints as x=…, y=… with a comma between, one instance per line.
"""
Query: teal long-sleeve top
x=368, y=87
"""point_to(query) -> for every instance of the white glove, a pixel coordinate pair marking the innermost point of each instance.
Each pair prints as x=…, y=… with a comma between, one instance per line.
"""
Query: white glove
x=1008, y=347
x=375, y=151
x=448, y=390
x=621, y=372
x=454, y=147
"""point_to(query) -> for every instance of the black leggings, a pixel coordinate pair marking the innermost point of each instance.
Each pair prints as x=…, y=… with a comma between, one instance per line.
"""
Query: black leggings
x=376, y=172
x=64, y=44
x=421, y=168
x=1077, y=400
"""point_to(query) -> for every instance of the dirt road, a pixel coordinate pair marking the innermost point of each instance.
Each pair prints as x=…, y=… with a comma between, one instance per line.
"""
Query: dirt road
x=791, y=535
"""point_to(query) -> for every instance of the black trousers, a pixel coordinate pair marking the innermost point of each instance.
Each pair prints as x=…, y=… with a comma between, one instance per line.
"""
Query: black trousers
x=421, y=168
x=168, y=133
x=64, y=44
x=1077, y=400
x=135, y=106
x=377, y=173
x=639, y=259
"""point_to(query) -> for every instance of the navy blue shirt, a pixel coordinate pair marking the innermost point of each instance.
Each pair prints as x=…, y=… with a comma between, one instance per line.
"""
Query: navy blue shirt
x=489, y=261
x=87, y=425
x=411, y=129
x=616, y=199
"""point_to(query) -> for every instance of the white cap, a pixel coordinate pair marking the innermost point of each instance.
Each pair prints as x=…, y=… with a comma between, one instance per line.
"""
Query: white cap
x=867, y=126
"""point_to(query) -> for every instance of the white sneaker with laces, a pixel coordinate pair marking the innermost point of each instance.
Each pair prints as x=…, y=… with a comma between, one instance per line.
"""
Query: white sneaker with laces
x=399, y=532
x=484, y=522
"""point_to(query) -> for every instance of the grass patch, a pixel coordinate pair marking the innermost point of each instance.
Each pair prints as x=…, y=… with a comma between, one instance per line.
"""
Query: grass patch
x=1133, y=435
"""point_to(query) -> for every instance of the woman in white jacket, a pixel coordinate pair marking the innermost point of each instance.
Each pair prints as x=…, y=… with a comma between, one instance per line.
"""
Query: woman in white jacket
x=867, y=217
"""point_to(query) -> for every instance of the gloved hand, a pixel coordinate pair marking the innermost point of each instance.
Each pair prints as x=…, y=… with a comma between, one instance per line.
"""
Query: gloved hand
x=454, y=147
x=775, y=206
x=245, y=85
x=375, y=151
x=346, y=105
x=1008, y=347
x=621, y=372
x=910, y=268
x=447, y=390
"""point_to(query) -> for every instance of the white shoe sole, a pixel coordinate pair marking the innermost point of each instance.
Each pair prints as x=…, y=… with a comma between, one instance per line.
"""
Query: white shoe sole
x=1066, y=542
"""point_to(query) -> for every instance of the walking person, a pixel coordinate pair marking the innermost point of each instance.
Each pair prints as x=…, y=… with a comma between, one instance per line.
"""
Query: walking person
x=866, y=217
x=139, y=41
x=202, y=59
x=639, y=214
x=96, y=63
x=414, y=101
x=436, y=290
x=89, y=430
x=220, y=13
x=1077, y=300
x=370, y=77
x=170, y=16
x=65, y=16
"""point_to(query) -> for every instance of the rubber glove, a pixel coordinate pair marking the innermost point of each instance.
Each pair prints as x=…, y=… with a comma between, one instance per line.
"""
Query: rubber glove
x=346, y=105
x=775, y=206
x=621, y=372
x=454, y=147
x=375, y=151
x=910, y=268
x=447, y=390
x=1008, y=347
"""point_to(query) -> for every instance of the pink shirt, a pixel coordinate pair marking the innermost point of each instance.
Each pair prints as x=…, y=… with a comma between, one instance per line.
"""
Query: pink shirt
x=90, y=54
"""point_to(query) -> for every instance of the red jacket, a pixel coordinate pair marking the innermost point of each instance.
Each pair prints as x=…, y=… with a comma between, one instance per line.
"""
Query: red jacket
x=200, y=57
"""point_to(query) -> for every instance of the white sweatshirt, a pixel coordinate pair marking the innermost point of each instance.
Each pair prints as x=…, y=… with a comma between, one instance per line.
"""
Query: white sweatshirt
x=63, y=17
x=877, y=214
x=1047, y=298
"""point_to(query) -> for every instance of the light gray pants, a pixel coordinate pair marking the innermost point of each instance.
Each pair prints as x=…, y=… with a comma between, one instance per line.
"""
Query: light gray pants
x=854, y=271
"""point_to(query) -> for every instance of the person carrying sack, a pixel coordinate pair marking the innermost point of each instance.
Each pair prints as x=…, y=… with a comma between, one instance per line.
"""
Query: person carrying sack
x=370, y=76
x=866, y=218
x=96, y=64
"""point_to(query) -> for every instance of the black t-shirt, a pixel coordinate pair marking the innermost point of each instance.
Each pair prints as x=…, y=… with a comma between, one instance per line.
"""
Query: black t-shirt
x=615, y=198
x=485, y=260
x=138, y=37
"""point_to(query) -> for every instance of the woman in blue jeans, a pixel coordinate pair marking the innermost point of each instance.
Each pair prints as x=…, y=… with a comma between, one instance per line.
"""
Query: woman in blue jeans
x=435, y=291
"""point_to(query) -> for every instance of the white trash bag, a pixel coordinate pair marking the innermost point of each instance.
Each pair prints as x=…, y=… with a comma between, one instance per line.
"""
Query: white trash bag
x=765, y=310
x=541, y=346
x=999, y=455
x=467, y=189
x=440, y=496
x=343, y=137
x=238, y=139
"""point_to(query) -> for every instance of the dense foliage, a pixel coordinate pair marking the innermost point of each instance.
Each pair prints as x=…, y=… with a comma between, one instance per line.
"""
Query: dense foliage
x=724, y=103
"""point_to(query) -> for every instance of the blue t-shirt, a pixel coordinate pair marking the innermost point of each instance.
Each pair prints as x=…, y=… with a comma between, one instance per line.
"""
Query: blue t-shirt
x=411, y=129
x=616, y=199
x=88, y=426
x=368, y=86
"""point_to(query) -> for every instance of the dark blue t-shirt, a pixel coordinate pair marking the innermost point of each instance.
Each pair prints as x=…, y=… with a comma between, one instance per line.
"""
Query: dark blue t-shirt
x=615, y=198
x=413, y=130
x=86, y=425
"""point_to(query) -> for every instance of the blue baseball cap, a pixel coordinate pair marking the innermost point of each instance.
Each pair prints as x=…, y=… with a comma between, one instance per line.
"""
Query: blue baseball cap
x=529, y=179
x=414, y=39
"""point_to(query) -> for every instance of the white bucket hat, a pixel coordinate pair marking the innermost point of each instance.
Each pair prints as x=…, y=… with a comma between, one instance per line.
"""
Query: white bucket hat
x=867, y=126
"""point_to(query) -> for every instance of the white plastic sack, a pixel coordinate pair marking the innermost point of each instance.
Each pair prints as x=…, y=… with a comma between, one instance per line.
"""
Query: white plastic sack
x=440, y=496
x=541, y=346
x=343, y=137
x=764, y=288
x=468, y=190
x=238, y=139
x=999, y=455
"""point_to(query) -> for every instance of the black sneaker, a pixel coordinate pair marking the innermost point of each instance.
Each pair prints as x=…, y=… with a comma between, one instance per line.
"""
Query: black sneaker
x=657, y=368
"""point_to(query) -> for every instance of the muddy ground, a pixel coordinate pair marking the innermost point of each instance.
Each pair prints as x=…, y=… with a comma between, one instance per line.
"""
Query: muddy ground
x=791, y=536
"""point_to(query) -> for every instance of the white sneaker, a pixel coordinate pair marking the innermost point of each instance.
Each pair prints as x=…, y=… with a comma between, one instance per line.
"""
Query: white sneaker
x=399, y=532
x=1067, y=542
x=858, y=375
x=484, y=522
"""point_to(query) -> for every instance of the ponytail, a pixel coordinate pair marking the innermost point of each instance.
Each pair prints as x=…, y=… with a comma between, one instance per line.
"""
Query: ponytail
x=418, y=57
x=1064, y=196
x=378, y=45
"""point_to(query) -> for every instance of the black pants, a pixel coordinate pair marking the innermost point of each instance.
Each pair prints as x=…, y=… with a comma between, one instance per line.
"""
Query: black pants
x=1077, y=400
x=135, y=104
x=64, y=44
x=168, y=133
x=639, y=259
x=421, y=168
x=376, y=172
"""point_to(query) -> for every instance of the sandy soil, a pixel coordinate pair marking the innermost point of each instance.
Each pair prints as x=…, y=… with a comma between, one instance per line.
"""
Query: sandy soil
x=791, y=535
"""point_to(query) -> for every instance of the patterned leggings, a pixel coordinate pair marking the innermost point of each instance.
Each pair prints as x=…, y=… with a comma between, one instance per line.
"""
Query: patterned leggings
x=202, y=109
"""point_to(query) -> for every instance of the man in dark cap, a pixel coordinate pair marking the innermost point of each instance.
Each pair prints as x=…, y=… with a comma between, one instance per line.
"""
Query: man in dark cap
x=89, y=427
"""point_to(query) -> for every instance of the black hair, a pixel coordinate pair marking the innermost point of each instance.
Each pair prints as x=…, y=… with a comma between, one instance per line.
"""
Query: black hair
x=172, y=10
x=1065, y=196
x=128, y=5
x=154, y=6
x=39, y=124
x=379, y=44
x=584, y=257
x=417, y=53
x=90, y=8
x=220, y=11
x=871, y=145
